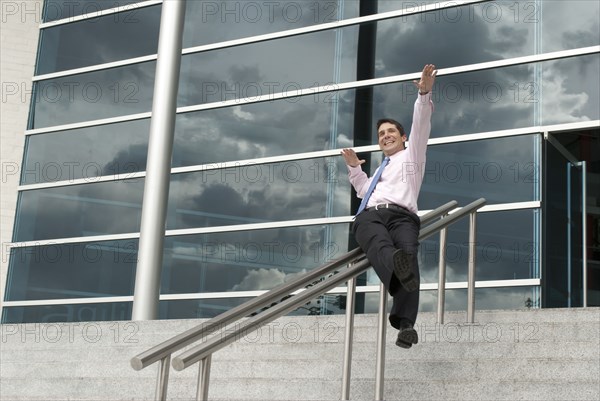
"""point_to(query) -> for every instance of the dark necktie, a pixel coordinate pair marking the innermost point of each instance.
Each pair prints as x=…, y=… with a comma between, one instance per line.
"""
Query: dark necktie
x=365, y=199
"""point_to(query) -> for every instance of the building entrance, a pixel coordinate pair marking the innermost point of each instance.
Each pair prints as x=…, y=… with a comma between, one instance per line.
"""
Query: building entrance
x=571, y=222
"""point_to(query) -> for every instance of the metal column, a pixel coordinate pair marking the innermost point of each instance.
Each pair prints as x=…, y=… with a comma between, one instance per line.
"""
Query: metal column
x=158, y=170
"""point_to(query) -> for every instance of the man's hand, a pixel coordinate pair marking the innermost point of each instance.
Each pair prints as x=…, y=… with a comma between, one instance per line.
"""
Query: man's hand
x=427, y=79
x=351, y=159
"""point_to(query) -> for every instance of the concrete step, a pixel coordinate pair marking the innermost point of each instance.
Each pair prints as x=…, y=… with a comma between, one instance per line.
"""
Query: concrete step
x=535, y=354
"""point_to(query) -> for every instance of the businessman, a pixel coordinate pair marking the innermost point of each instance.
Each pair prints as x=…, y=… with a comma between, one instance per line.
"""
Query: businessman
x=386, y=225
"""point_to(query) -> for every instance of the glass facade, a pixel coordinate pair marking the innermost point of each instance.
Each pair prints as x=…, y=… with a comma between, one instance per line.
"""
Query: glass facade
x=268, y=94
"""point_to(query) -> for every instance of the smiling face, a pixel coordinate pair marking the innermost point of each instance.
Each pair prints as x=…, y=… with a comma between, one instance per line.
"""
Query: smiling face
x=390, y=139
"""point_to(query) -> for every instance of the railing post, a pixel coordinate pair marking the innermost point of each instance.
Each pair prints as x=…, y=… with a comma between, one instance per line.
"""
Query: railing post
x=203, y=379
x=163, y=379
x=471, y=273
x=442, y=276
x=381, y=328
x=349, y=338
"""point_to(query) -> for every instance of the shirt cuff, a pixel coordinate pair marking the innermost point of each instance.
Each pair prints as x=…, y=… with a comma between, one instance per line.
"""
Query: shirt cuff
x=354, y=170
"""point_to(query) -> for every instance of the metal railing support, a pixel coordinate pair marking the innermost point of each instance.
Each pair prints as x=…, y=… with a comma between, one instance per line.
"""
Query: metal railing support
x=442, y=276
x=163, y=379
x=471, y=273
x=381, y=329
x=348, y=338
x=203, y=379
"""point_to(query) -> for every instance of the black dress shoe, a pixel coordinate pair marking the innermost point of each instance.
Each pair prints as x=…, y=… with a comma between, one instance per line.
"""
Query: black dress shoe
x=407, y=335
x=403, y=270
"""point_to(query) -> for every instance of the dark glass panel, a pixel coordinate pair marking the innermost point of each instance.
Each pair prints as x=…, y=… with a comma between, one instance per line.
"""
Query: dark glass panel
x=262, y=69
x=480, y=101
x=58, y=9
x=83, y=270
x=301, y=124
x=451, y=37
x=562, y=222
x=94, y=95
x=507, y=298
x=69, y=313
x=81, y=210
x=87, y=152
x=567, y=24
x=506, y=249
x=218, y=21
x=485, y=299
x=197, y=308
x=248, y=260
x=99, y=40
x=208, y=308
x=570, y=90
x=501, y=170
x=253, y=193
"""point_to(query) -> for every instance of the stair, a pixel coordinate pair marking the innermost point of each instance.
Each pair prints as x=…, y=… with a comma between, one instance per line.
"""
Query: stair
x=541, y=354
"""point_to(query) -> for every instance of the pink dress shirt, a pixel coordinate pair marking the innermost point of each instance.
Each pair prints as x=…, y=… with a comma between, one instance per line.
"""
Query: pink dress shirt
x=401, y=180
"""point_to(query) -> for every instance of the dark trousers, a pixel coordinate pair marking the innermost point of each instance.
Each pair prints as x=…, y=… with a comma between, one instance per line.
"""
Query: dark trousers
x=380, y=233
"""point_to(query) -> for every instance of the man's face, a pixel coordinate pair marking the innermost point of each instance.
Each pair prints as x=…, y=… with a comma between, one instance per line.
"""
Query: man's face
x=390, y=140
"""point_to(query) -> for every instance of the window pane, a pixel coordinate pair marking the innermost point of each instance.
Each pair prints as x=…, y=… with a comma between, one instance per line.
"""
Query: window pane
x=94, y=95
x=571, y=90
x=58, y=9
x=301, y=124
x=80, y=210
x=501, y=170
x=84, y=270
x=506, y=248
x=65, y=47
x=456, y=36
x=485, y=299
x=252, y=70
x=248, y=260
x=568, y=24
x=86, y=153
x=211, y=21
x=481, y=101
x=68, y=313
x=197, y=308
x=253, y=193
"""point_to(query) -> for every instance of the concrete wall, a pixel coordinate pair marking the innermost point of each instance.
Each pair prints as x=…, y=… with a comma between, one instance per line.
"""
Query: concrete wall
x=507, y=355
x=19, y=32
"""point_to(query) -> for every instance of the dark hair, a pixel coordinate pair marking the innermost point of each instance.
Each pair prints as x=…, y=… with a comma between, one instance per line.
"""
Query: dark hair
x=391, y=121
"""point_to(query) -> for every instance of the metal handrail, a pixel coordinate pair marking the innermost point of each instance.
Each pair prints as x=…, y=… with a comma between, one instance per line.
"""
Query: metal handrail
x=197, y=353
x=194, y=334
x=217, y=342
x=179, y=341
x=357, y=265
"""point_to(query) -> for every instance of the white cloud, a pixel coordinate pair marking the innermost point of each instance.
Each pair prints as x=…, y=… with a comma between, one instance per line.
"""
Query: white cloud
x=244, y=115
x=264, y=279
